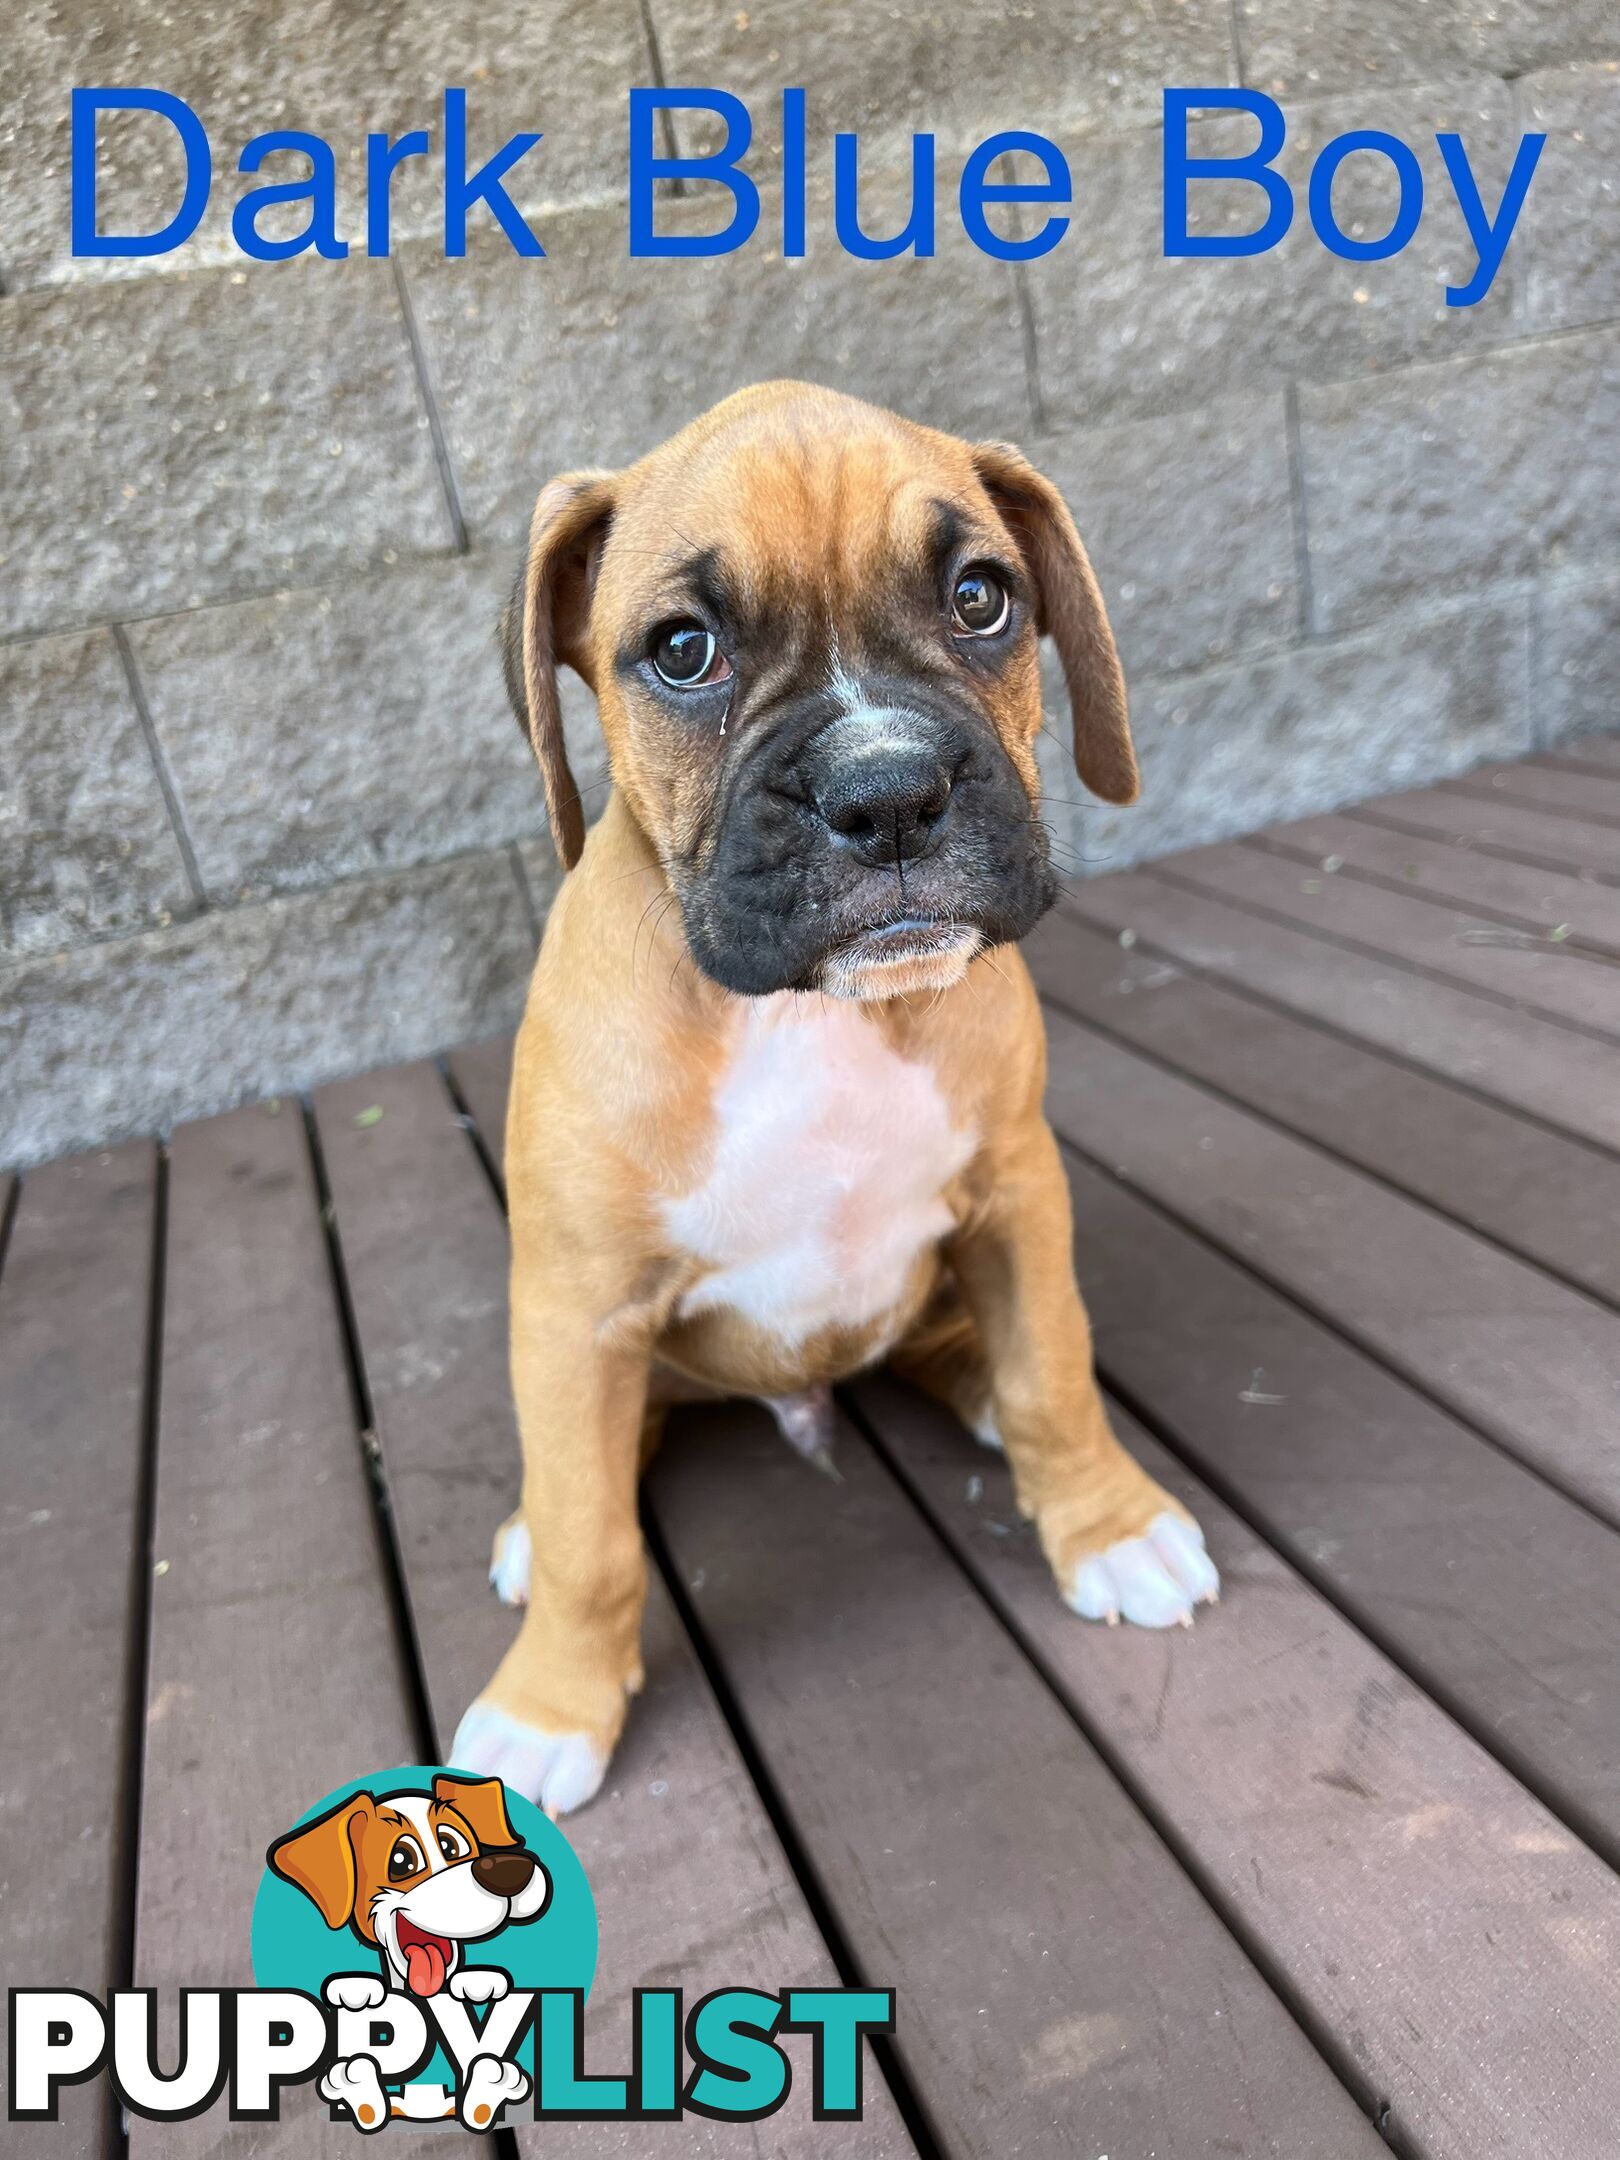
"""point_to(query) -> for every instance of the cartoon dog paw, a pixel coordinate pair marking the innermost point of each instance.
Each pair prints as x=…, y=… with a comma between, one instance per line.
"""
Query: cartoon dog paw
x=355, y=2085
x=355, y=1991
x=491, y=2085
x=479, y=1984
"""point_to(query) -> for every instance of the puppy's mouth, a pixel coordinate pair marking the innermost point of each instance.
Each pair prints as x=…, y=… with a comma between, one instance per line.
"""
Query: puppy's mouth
x=890, y=959
x=427, y=1956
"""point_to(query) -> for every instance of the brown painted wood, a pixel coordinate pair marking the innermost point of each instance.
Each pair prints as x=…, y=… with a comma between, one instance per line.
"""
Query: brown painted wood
x=1529, y=1361
x=1512, y=1057
x=1547, y=1197
x=483, y=1076
x=1063, y=1986
x=275, y=1669
x=1539, y=901
x=1559, y=981
x=1499, y=827
x=691, y=1884
x=1499, y=1596
x=1582, y=753
x=1412, y=1898
x=1591, y=796
x=75, y=1302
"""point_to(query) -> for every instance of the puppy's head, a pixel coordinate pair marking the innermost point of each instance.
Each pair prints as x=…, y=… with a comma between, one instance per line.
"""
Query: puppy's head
x=812, y=631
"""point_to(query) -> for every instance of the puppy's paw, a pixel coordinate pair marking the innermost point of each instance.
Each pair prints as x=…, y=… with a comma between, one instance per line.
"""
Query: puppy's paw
x=509, y=1562
x=355, y=1991
x=558, y=1771
x=1155, y=1580
x=490, y=2085
x=356, y=2085
x=479, y=1984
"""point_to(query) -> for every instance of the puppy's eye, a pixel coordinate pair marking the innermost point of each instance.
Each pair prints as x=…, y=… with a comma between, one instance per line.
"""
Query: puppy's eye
x=452, y=1844
x=687, y=657
x=980, y=604
x=406, y=1858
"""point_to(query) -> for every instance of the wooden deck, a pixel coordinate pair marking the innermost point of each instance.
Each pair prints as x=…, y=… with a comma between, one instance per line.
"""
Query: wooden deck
x=1342, y=1112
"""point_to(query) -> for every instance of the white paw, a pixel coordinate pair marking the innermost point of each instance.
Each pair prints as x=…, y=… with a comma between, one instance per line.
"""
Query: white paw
x=479, y=1984
x=509, y=1563
x=354, y=1991
x=557, y=1771
x=1154, y=1580
x=356, y=2086
x=490, y=2084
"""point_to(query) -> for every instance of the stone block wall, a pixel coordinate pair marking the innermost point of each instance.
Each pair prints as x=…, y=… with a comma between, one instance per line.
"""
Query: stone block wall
x=264, y=816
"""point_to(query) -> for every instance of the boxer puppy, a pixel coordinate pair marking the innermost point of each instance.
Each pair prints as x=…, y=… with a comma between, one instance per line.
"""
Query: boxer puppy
x=776, y=1106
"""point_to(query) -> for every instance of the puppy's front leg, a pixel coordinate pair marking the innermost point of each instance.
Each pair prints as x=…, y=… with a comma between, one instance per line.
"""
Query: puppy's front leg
x=548, y=1720
x=1118, y=1543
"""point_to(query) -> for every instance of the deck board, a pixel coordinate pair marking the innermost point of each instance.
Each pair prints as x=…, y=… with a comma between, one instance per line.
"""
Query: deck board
x=1548, y=1197
x=1053, y=1952
x=1496, y=825
x=271, y=1585
x=1494, y=1591
x=1591, y=797
x=1544, y=903
x=1582, y=753
x=1412, y=1897
x=74, y=1312
x=691, y=1883
x=1526, y=1360
x=1557, y=981
x=1512, y=1057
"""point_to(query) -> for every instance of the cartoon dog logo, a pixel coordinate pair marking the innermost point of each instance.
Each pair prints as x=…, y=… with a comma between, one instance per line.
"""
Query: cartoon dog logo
x=415, y=1876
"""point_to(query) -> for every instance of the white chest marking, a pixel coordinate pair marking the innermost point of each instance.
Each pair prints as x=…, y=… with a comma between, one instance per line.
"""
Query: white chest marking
x=831, y=1155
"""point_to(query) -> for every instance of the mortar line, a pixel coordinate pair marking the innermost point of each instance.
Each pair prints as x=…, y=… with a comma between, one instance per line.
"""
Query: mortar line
x=436, y=434
x=1298, y=510
x=666, y=119
x=160, y=765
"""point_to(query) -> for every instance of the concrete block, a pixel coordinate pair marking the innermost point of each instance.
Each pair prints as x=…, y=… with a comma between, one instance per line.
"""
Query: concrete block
x=129, y=1035
x=1226, y=750
x=591, y=358
x=1123, y=331
x=959, y=74
x=1570, y=227
x=1443, y=479
x=1189, y=526
x=86, y=846
x=187, y=438
x=1576, y=690
x=329, y=67
x=321, y=735
x=1293, y=47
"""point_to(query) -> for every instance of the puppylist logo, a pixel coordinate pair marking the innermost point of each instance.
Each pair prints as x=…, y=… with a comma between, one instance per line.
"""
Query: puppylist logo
x=423, y=1944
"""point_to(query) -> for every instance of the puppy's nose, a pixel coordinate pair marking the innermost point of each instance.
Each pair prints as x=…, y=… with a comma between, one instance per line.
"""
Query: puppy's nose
x=884, y=804
x=504, y=1874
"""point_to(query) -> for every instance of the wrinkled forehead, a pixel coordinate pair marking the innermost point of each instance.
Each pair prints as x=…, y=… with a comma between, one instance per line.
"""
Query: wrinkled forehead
x=783, y=520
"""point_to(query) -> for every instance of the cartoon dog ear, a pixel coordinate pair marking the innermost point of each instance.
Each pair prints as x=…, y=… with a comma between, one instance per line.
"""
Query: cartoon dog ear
x=481, y=1802
x=546, y=623
x=319, y=1859
x=1071, y=612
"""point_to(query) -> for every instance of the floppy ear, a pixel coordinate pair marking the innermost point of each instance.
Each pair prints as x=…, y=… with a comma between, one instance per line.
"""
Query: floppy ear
x=319, y=1858
x=1070, y=612
x=482, y=1803
x=544, y=624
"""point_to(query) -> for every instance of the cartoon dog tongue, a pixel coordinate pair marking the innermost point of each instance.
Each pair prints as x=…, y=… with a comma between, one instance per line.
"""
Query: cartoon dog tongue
x=424, y=1965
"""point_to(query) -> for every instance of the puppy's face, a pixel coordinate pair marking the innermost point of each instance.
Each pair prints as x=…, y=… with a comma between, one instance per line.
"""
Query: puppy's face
x=812, y=629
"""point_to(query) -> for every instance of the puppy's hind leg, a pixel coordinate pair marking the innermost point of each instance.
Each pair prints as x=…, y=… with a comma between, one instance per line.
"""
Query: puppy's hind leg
x=944, y=1355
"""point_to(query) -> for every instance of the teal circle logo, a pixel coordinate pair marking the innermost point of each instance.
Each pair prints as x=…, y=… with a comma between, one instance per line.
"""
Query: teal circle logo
x=419, y=1878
